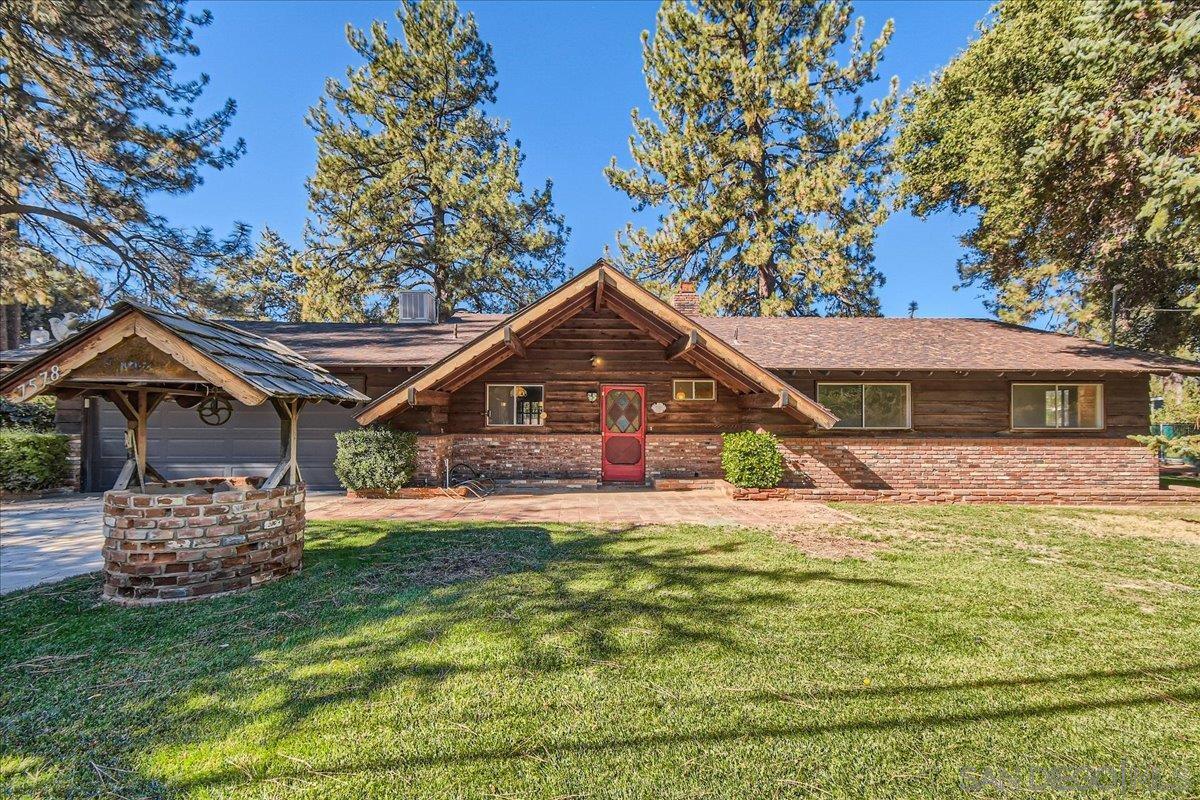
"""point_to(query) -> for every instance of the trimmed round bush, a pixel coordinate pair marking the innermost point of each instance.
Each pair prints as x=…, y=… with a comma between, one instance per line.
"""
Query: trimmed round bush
x=752, y=460
x=31, y=460
x=375, y=458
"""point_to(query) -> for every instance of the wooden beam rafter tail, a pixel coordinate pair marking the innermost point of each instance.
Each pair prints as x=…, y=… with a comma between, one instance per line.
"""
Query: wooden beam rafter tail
x=684, y=344
x=427, y=397
x=513, y=342
x=599, y=293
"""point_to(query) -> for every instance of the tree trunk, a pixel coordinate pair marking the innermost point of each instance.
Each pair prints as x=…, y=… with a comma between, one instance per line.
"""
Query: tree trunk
x=768, y=272
x=10, y=326
x=439, y=269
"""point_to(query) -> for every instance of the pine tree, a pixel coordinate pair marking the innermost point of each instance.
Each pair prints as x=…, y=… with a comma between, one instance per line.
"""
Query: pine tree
x=90, y=110
x=416, y=186
x=265, y=284
x=768, y=167
x=1069, y=131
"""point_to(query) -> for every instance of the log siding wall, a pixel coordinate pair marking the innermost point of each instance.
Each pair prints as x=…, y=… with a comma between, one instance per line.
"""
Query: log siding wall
x=970, y=405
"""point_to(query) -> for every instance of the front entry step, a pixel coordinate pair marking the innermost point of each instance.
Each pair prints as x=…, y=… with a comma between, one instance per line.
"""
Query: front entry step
x=549, y=483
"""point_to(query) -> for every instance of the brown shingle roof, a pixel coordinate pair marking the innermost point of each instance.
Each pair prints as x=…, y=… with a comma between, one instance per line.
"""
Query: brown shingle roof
x=889, y=343
x=374, y=344
x=816, y=343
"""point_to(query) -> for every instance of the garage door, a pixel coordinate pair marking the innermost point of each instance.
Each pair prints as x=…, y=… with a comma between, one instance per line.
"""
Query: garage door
x=181, y=446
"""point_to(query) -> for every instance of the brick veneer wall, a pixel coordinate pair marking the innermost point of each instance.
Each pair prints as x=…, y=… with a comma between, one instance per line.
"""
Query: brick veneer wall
x=174, y=547
x=855, y=463
x=945, y=463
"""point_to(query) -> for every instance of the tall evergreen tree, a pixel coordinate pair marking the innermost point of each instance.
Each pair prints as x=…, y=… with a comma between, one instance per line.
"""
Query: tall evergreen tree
x=1069, y=129
x=267, y=283
x=768, y=167
x=416, y=185
x=94, y=120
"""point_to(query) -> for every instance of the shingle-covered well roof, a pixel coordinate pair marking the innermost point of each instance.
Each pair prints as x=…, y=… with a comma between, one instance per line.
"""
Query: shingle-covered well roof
x=271, y=369
x=268, y=365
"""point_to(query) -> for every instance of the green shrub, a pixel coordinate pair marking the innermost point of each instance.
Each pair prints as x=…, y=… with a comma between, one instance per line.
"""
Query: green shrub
x=36, y=414
x=375, y=458
x=30, y=460
x=1178, y=447
x=752, y=460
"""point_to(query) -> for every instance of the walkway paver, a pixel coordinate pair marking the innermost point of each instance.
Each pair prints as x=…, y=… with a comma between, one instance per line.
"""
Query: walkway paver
x=608, y=506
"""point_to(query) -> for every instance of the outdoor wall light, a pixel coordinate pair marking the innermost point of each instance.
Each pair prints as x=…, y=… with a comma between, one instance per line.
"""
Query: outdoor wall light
x=592, y=395
x=597, y=361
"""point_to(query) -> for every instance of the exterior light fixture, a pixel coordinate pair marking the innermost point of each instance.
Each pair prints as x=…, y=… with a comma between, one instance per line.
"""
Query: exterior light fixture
x=592, y=395
x=597, y=361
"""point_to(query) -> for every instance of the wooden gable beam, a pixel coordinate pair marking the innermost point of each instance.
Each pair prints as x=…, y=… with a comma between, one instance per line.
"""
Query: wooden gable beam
x=599, y=293
x=560, y=315
x=480, y=367
x=653, y=307
x=198, y=362
x=55, y=368
x=38, y=377
x=513, y=342
x=705, y=362
x=684, y=344
x=427, y=397
x=660, y=332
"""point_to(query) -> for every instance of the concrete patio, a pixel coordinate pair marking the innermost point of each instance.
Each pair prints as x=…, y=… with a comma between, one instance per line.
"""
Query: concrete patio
x=53, y=538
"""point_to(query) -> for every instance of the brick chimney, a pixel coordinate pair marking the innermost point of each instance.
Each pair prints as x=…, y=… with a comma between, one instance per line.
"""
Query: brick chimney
x=686, y=301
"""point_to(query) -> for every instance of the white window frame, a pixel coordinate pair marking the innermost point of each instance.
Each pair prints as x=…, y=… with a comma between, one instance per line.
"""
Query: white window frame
x=865, y=427
x=674, y=392
x=487, y=406
x=1012, y=406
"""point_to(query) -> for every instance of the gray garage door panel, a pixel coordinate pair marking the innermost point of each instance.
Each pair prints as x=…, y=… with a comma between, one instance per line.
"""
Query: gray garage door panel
x=181, y=446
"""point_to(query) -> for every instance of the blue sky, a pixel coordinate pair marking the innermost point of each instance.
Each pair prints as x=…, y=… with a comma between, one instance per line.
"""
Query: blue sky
x=569, y=74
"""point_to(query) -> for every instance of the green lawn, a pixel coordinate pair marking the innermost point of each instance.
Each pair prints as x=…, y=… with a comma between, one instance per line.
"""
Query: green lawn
x=558, y=661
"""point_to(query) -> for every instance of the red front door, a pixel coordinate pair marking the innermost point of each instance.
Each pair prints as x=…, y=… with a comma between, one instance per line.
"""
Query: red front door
x=623, y=433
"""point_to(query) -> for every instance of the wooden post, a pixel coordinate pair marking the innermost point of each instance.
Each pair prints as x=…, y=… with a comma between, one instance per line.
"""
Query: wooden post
x=287, y=471
x=141, y=437
x=136, y=413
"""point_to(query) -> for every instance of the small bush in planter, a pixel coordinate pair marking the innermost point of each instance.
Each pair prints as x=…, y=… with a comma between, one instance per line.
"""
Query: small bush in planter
x=30, y=460
x=375, y=458
x=752, y=460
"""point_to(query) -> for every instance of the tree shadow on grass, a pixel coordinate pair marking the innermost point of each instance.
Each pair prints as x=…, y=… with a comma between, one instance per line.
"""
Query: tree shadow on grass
x=374, y=610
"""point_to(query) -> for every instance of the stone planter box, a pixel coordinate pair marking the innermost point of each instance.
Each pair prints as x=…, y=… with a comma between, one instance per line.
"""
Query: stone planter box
x=201, y=538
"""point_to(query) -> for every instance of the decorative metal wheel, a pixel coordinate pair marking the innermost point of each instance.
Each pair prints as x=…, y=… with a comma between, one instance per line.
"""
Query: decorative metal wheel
x=215, y=410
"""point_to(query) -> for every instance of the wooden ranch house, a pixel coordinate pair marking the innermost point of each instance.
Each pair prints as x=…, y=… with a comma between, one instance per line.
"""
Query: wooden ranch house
x=601, y=380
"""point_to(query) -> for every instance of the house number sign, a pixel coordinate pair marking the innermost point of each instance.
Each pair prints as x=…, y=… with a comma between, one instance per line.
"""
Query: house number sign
x=40, y=381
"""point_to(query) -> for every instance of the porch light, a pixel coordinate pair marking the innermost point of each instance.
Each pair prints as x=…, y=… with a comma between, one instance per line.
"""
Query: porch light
x=592, y=395
x=597, y=361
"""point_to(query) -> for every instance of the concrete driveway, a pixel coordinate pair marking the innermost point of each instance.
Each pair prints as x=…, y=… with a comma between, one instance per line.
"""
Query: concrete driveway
x=49, y=539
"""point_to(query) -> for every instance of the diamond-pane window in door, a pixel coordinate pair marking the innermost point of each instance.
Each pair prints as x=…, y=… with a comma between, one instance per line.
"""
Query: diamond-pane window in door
x=623, y=411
